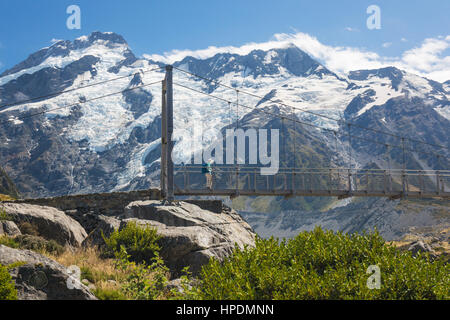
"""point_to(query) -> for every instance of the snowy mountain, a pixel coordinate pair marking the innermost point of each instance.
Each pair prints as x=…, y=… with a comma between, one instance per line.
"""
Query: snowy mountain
x=114, y=143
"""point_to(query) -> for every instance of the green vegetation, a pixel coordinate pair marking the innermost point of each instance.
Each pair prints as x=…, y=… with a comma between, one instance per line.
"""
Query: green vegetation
x=7, y=289
x=140, y=243
x=143, y=281
x=28, y=228
x=109, y=294
x=323, y=265
x=136, y=251
x=9, y=242
x=314, y=265
x=4, y=216
x=5, y=197
x=8, y=190
x=34, y=243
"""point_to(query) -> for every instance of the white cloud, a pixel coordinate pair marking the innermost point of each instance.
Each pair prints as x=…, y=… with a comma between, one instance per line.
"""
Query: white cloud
x=404, y=40
x=426, y=60
x=53, y=41
x=350, y=29
x=429, y=59
x=386, y=44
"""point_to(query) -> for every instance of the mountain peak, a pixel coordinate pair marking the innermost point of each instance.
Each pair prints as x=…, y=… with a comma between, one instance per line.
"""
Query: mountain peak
x=104, y=36
x=387, y=72
x=257, y=63
x=62, y=48
x=392, y=73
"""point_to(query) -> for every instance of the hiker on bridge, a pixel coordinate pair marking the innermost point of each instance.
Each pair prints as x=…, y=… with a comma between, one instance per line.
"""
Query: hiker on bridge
x=208, y=170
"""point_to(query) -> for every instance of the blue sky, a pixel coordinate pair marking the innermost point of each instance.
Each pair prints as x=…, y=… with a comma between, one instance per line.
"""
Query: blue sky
x=158, y=27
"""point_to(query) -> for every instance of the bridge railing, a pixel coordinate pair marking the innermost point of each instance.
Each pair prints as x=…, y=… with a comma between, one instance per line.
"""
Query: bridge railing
x=241, y=179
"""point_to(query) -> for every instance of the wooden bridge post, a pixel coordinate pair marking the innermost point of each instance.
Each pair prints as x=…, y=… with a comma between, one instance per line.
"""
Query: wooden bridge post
x=163, y=166
x=166, y=137
x=438, y=189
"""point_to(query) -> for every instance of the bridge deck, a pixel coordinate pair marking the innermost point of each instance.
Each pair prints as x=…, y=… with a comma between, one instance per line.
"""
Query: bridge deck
x=335, y=182
x=312, y=193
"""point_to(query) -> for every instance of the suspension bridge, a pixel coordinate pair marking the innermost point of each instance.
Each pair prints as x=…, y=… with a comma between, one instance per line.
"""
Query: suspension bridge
x=244, y=179
x=247, y=180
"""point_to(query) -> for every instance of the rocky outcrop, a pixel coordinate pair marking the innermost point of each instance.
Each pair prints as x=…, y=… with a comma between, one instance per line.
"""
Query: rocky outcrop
x=190, y=236
x=104, y=227
x=9, y=228
x=51, y=223
x=39, y=278
x=421, y=247
x=7, y=186
x=191, y=232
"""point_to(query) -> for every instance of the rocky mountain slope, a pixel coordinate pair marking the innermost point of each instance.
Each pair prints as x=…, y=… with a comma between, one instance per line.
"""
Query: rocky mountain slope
x=394, y=219
x=7, y=187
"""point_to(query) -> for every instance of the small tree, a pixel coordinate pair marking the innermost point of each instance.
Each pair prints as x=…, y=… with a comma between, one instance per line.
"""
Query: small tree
x=7, y=289
x=139, y=242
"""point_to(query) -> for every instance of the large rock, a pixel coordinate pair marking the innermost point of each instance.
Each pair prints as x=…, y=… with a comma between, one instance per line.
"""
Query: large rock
x=191, y=235
x=104, y=227
x=9, y=228
x=50, y=223
x=39, y=278
x=421, y=247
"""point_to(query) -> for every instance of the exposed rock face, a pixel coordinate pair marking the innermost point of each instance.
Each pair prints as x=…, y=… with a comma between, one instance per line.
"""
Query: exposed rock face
x=421, y=247
x=105, y=225
x=191, y=235
x=40, y=278
x=51, y=223
x=392, y=218
x=9, y=228
x=7, y=186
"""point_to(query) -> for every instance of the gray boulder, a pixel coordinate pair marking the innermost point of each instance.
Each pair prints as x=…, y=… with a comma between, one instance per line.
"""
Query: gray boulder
x=9, y=228
x=105, y=225
x=421, y=247
x=190, y=236
x=50, y=223
x=39, y=278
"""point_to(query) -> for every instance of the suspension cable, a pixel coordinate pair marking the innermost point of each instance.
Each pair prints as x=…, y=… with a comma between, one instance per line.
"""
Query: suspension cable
x=53, y=94
x=310, y=112
x=296, y=120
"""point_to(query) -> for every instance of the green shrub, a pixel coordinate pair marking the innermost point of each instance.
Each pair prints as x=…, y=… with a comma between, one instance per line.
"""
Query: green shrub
x=9, y=242
x=86, y=273
x=143, y=281
x=39, y=244
x=34, y=243
x=4, y=216
x=109, y=294
x=7, y=289
x=139, y=242
x=323, y=265
x=28, y=228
